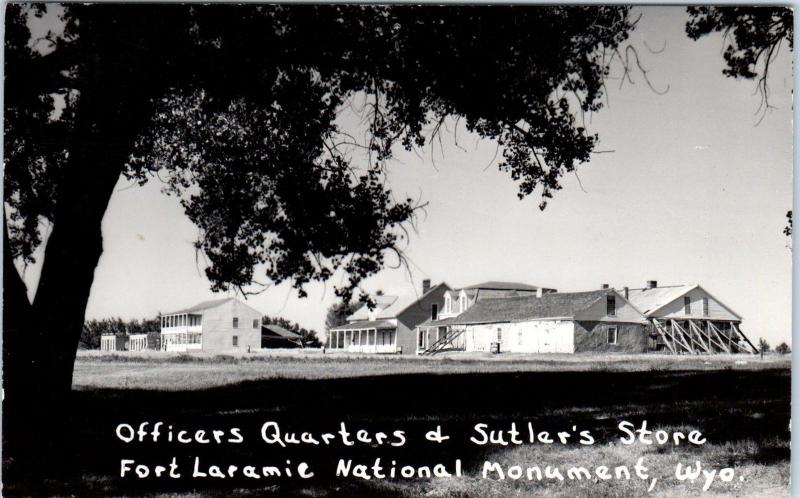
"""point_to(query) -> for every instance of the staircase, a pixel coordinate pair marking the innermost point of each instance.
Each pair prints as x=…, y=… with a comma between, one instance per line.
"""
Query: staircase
x=441, y=344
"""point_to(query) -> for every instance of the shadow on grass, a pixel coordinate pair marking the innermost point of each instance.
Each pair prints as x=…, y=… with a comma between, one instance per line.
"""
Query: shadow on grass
x=724, y=405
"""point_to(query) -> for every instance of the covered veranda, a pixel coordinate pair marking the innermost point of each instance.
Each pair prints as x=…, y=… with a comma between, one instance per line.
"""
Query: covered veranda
x=363, y=337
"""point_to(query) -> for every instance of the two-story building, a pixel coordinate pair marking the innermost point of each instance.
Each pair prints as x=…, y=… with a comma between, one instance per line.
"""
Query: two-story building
x=544, y=322
x=218, y=325
x=674, y=319
x=388, y=326
x=457, y=301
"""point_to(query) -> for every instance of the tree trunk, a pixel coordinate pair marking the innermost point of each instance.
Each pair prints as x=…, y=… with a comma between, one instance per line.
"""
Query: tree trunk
x=41, y=339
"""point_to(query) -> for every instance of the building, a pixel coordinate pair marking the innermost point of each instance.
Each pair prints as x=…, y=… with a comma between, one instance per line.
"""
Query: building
x=389, y=327
x=545, y=322
x=217, y=325
x=275, y=336
x=129, y=342
x=113, y=341
x=457, y=301
x=688, y=319
x=674, y=319
x=137, y=342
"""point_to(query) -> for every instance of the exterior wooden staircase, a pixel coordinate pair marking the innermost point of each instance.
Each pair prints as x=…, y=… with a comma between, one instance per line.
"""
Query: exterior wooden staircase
x=441, y=344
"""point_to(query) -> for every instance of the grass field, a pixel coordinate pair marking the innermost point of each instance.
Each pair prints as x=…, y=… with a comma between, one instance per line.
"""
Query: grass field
x=171, y=371
x=739, y=403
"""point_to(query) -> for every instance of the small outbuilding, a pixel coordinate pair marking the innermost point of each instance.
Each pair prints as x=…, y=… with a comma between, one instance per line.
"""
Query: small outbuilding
x=275, y=336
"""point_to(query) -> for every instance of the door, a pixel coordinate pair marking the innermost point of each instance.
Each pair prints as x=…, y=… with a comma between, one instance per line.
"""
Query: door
x=548, y=340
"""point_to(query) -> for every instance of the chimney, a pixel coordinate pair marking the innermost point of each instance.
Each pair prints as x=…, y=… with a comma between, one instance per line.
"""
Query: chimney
x=538, y=292
x=604, y=286
x=652, y=284
x=625, y=292
x=426, y=285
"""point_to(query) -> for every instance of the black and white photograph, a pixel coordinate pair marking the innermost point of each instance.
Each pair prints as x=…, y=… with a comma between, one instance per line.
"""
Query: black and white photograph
x=397, y=250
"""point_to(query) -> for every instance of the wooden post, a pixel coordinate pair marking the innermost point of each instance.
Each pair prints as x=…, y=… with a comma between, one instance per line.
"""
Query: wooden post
x=677, y=331
x=702, y=336
x=736, y=329
x=667, y=340
x=712, y=329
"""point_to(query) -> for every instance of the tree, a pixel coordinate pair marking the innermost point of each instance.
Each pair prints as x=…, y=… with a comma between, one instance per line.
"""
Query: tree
x=234, y=109
x=763, y=346
x=783, y=348
x=338, y=312
x=787, y=230
x=753, y=37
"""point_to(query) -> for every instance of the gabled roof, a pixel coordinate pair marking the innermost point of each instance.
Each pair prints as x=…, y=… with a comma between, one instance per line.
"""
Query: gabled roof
x=388, y=307
x=205, y=305
x=469, y=292
x=280, y=331
x=381, y=303
x=513, y=309
x=648, y=300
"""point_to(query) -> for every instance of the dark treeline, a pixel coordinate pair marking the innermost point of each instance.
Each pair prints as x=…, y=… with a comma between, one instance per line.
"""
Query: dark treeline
x=93, y=329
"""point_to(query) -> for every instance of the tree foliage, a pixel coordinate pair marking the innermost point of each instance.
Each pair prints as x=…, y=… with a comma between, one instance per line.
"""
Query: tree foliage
x=338, y=312
x=753, y=36
x=783, y=348
x=234, y=108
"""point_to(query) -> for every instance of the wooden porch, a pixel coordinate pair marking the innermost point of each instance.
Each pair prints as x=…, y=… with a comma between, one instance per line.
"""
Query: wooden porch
x=363, y=340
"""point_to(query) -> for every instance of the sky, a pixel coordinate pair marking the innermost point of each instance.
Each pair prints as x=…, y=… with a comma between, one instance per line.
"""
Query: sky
x=694, y=188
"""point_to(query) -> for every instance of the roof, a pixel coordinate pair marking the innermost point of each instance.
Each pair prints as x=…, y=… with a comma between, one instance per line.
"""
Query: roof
x=469, y=292
x=503, y=286
x=513, y=309
x=391, y=306
x=205, y=305
x=280, y=331
x=648, y=300
x=364, y=324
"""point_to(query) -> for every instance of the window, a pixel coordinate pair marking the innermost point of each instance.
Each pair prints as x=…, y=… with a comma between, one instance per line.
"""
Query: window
x=611, y=305
x=434, y=311
x=255, y=323
x=462, y=302
x=612, y=335
x=519, y=337
x=499, y=335
x=705, y=306
x=687, y=305
x=235, y=323
x=448, y=304
x=235, y=340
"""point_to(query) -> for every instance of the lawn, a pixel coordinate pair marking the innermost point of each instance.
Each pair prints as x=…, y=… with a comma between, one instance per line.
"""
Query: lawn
x=740, y=404
x=172, y=371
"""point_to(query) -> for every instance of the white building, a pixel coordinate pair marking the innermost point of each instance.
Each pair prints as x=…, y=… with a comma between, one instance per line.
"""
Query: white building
x=218, y=325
